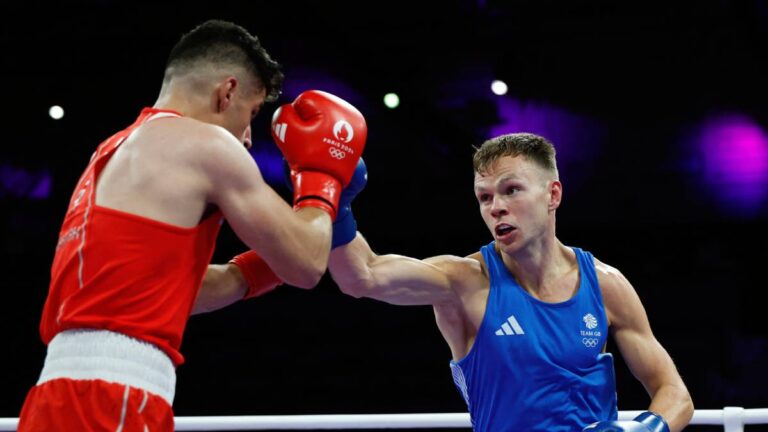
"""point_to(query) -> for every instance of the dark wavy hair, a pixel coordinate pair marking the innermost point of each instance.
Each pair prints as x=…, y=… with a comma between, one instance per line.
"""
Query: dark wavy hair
x=224, y=43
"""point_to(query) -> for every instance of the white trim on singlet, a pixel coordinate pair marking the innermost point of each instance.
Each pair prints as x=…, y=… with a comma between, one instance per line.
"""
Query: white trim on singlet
x=86, y=212
x=85, y=354
x=158, y=115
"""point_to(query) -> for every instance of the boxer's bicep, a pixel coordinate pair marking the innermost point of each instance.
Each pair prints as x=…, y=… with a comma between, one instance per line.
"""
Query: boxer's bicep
x=391, y=278
x=409, y=281
x=237, y=187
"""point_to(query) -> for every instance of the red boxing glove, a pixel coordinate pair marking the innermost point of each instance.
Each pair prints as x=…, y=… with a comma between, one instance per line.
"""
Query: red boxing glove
x=259, y=277
x=321, y=137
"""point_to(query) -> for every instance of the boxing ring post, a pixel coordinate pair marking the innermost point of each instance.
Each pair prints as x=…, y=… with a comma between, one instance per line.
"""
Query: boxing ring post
x=732, y=419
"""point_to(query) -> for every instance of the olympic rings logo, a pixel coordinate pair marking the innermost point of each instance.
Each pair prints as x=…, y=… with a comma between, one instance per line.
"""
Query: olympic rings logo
x=336, y=153
x=589, y=342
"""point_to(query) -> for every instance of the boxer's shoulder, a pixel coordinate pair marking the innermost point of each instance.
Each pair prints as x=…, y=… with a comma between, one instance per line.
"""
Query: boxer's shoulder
x=179, y=132
x=465, y=273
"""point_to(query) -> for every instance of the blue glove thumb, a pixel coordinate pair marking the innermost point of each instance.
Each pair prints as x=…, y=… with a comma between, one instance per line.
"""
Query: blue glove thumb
x=645, y=422
x=616, y=426
x=345, y=226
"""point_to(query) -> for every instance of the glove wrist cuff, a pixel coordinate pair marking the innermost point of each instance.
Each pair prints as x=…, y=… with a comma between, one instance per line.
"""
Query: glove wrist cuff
x=316, y=203
x=257, y=274
x=316, y=189
x=344, y=229
x=653, y=421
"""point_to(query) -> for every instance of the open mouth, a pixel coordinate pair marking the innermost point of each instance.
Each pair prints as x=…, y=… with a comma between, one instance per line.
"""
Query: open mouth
x=503, y=229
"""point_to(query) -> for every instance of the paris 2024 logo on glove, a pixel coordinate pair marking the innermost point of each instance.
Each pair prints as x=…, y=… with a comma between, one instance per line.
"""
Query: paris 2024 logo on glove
x=343, y=133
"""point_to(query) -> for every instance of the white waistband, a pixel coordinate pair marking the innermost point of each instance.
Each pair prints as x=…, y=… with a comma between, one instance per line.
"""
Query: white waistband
x=84, y=354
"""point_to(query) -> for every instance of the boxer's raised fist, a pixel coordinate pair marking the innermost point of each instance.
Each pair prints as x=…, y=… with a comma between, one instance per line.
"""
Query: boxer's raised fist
x=322, y=138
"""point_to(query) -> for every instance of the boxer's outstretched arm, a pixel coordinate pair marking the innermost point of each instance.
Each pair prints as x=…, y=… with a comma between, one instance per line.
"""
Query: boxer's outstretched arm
x=394, y=279
x=646, y=358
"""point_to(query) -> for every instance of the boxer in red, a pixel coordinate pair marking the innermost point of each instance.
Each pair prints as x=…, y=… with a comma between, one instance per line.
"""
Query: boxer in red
x=132, y=260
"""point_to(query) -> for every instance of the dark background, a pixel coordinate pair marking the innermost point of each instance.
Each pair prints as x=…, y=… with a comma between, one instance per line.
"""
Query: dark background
x=639, y=78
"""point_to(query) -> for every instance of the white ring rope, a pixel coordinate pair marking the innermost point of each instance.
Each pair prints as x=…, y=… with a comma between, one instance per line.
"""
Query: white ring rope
x=733, y=418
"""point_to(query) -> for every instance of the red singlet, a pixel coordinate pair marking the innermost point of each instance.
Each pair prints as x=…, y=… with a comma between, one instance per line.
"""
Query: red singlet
x=122, y=272
x=122, y=288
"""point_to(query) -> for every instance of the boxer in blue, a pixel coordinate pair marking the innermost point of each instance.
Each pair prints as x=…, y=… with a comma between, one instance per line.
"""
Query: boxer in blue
x=526, y=317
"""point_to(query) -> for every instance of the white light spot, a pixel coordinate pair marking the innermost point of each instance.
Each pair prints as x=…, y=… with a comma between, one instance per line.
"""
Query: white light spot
x=499, y=87
x=391, y=100
x=56, y=112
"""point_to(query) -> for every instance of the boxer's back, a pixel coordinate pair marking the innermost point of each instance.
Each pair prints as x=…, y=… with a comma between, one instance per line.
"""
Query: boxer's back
x=155, y=173
x=117, y=268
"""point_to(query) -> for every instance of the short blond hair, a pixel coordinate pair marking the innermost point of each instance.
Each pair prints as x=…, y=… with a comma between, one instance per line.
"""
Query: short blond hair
x=531, y=146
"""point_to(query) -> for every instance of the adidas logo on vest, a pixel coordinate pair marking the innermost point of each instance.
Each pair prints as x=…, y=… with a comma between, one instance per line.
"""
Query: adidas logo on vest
x=510, y=328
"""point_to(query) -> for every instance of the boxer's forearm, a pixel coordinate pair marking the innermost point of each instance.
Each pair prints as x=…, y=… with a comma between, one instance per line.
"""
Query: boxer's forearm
x=349, y=266
x=223, y=284
x=674, y=404
x=391, y=278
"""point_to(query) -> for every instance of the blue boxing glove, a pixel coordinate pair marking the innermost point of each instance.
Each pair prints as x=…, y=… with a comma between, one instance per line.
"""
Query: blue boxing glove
x=345, y=226
x=645, y=422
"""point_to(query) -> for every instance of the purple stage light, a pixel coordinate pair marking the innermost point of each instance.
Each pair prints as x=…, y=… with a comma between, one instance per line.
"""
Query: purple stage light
x=733, y=155
x=270, y=162
x=577, y=138
x=302, y=79
x=22, y=183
